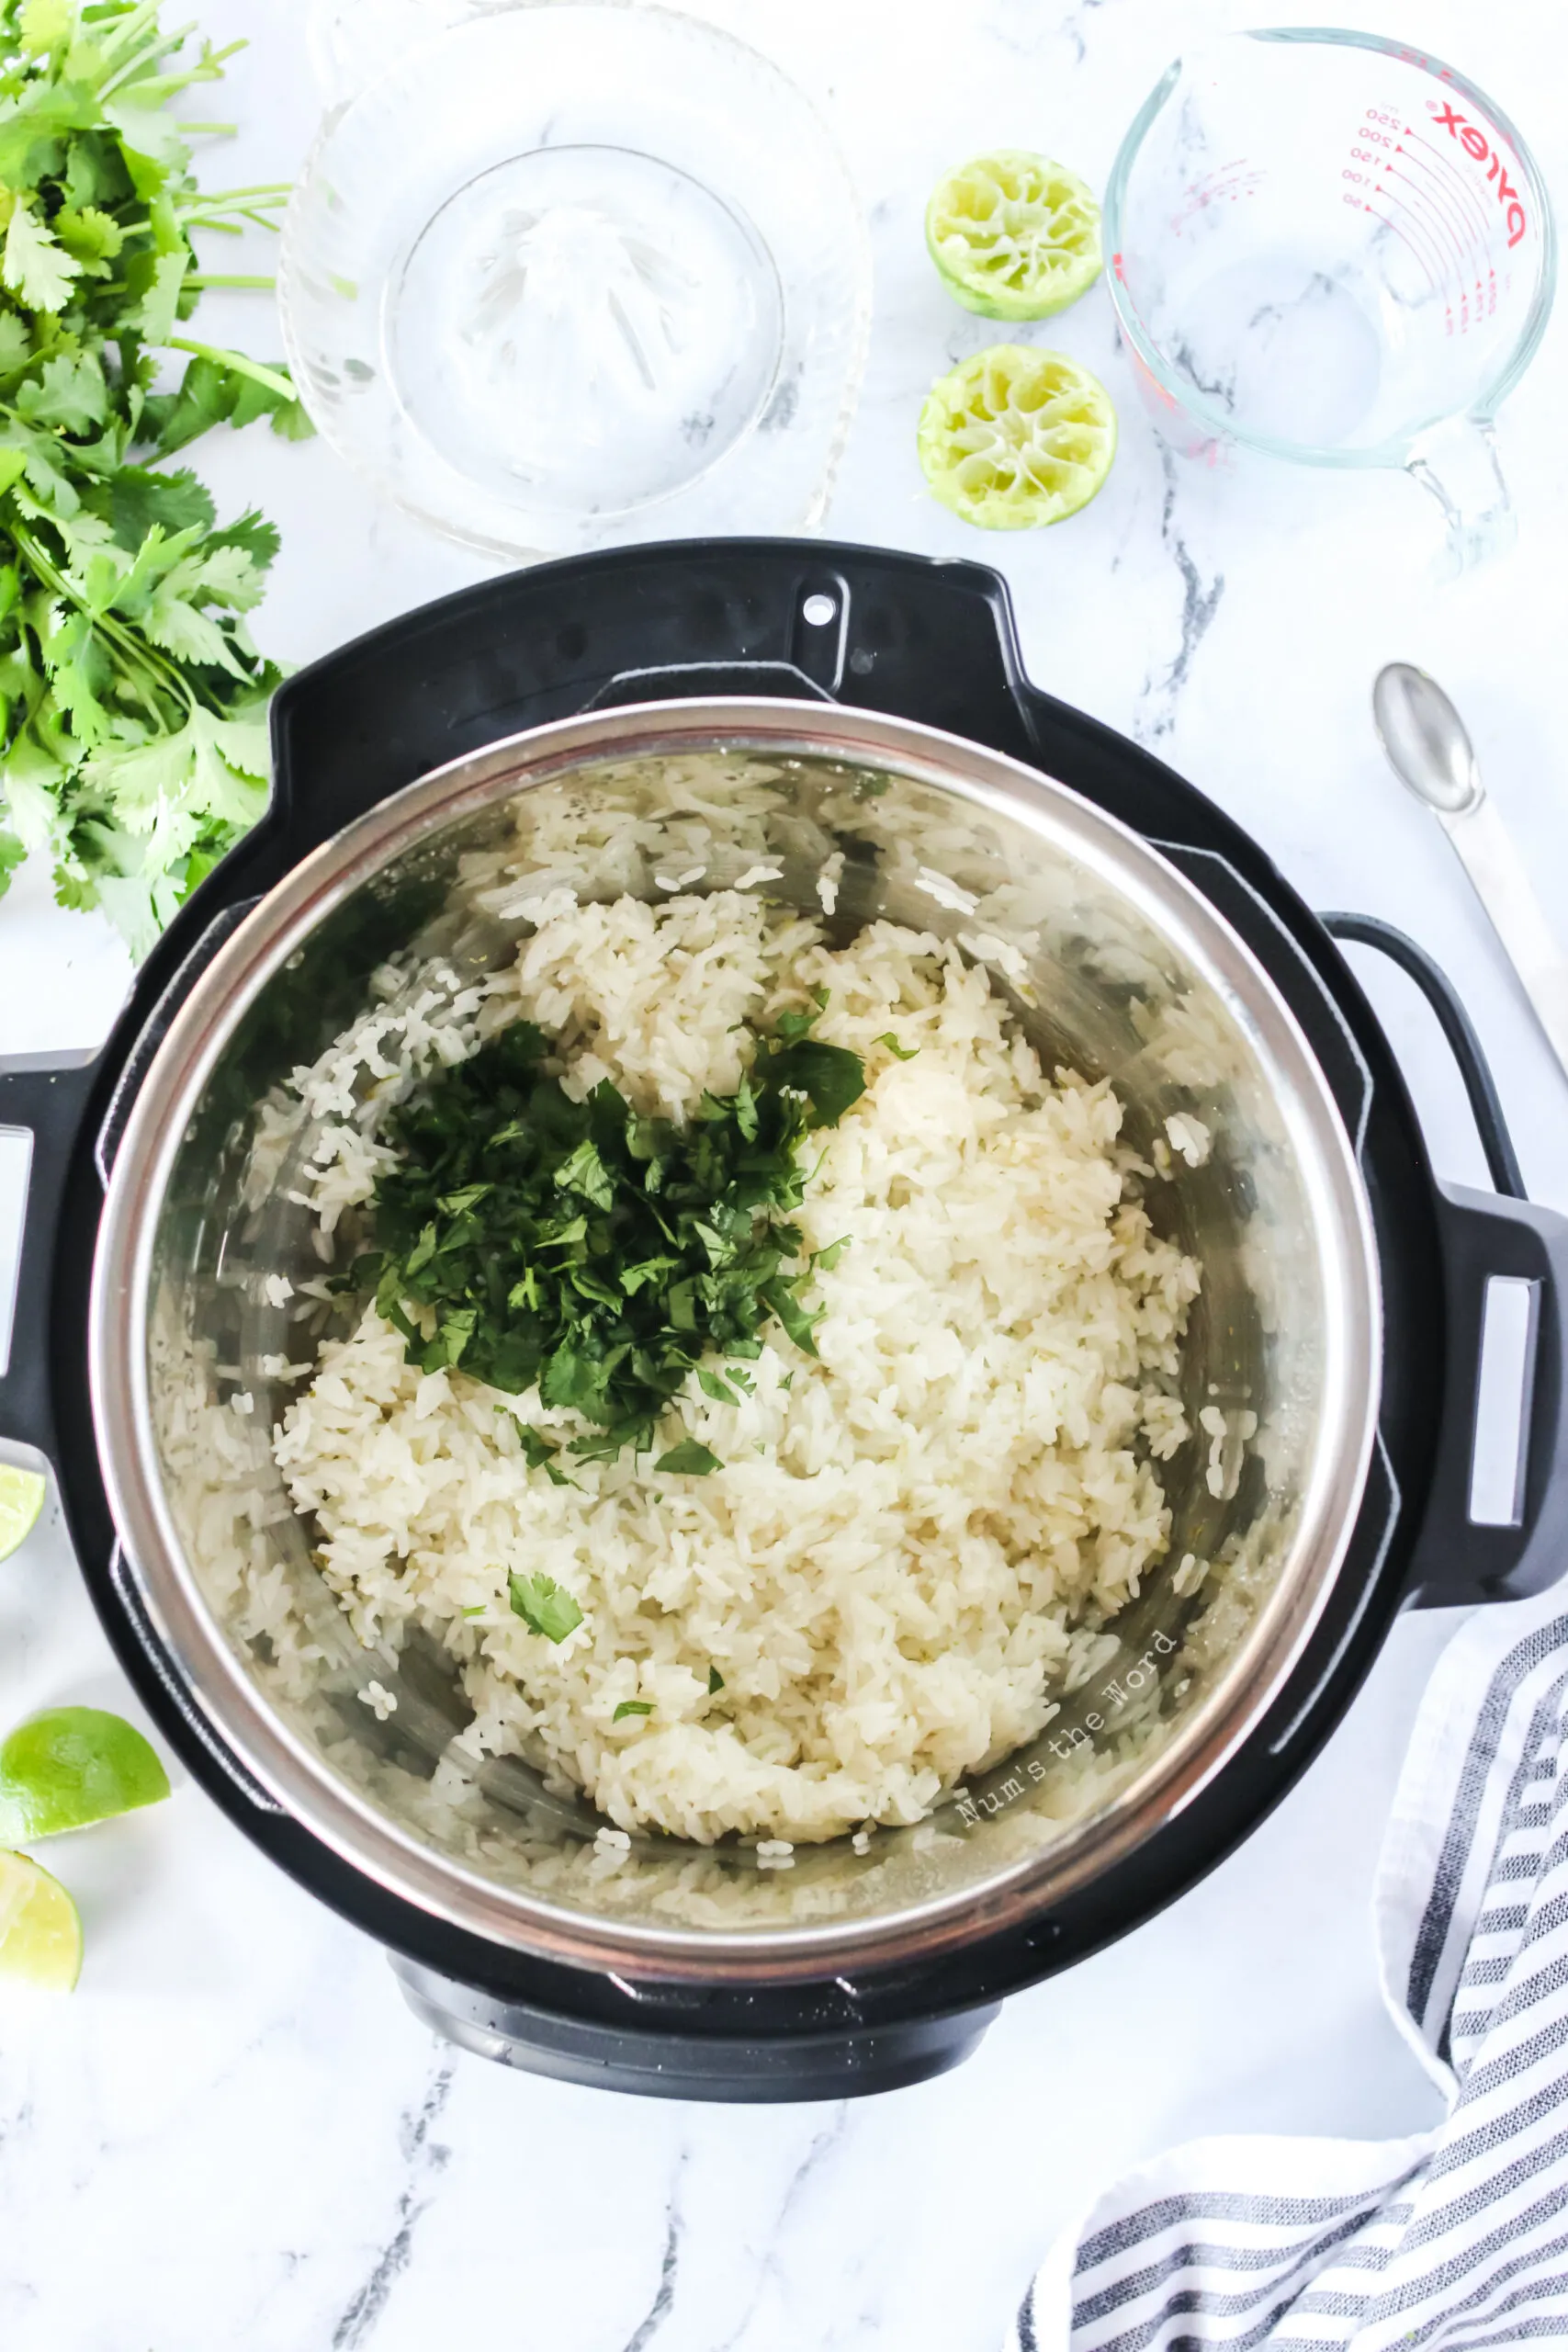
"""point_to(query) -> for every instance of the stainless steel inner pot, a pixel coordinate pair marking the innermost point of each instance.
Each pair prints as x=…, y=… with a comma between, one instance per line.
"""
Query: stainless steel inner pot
x=1110, y=962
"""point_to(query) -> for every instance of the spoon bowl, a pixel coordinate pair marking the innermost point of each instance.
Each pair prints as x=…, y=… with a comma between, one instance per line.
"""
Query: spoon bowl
x=1424, y=737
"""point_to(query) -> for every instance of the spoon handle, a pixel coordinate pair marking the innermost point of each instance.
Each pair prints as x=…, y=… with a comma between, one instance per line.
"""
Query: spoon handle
x=1504, y=887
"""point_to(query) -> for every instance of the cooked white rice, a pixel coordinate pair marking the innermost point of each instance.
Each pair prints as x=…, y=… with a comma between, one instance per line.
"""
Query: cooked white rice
x=914, y=1541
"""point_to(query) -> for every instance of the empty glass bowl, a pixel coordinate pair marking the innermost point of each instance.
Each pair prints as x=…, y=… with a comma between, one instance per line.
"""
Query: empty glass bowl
x=563, y=277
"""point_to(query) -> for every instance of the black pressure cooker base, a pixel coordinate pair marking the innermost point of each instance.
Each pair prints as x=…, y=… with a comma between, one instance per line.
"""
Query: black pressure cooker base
x=931, y=642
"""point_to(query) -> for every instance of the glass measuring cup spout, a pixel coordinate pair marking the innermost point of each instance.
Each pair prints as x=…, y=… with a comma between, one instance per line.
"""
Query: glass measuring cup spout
x=1333, y=248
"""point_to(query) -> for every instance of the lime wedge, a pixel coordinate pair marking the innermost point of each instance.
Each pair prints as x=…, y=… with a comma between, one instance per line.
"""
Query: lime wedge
x=1016, y=437
x=21, y=1499
x=71, y=1766
x=40, y=1928
x=1013, y=235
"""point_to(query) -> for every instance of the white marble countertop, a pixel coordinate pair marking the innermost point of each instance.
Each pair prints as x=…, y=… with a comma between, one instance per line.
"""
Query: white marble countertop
x=234, y=2134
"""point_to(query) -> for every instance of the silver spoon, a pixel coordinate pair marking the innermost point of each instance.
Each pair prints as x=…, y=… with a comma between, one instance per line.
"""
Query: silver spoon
x=1430, y=752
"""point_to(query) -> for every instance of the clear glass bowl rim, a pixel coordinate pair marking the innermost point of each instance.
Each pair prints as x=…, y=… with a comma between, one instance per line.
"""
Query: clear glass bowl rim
x=511, y=545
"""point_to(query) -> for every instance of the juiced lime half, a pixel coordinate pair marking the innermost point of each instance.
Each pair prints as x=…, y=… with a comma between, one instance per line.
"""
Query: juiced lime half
x=1016, y=437
x=1013, y=235
x=21, y=1499
x=40, y=1928
x=71, y=1766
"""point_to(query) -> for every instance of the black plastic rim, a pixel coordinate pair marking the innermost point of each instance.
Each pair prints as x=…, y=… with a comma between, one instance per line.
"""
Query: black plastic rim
x=933, y=642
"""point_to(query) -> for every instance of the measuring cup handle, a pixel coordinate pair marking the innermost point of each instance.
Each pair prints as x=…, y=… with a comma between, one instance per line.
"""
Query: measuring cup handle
x=1457, y=462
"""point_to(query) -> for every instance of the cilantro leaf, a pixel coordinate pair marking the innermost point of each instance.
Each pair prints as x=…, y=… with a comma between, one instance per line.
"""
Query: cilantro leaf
x=905, y=1053
x=689, y=1460
x=134, y=733
x=544, y=1606
x=36, y=267
x=137, y=499
x=537, y=1451
x=214, y=391
x=586, y=1174
x=15, y=342
x=90, y=236
x=42, y=24
x=159, y=305
x=792, y=1315
x=69, y=392
x=715, y=1680
x=831, y=1078
x=253, y=533
x=632, y=1707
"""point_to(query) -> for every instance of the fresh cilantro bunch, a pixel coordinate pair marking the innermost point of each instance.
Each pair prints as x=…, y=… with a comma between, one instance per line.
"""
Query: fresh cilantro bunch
x=604, y=1256
x=133, y=704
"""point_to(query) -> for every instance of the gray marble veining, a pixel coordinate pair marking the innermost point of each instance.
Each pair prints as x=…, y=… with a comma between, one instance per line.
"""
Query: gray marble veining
x=234, y=2134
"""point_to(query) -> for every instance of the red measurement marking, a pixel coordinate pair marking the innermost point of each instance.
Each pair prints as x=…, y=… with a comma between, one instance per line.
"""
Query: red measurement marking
x=1469, y=137
x=1442, y=168
x=1440, y=225
x=1420, y=238
x=1226, y=183
x=1407, y=240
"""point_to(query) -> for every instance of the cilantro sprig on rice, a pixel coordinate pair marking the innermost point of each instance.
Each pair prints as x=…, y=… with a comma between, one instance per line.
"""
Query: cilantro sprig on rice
x=599, y=1255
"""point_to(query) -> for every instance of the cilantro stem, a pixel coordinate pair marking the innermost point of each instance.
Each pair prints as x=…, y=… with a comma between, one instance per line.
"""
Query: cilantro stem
x=160, y=87
x=134, y=656
x=212, y=278
x=200, y=199
x=266, y=377
x=131, y=28
x=142, y=53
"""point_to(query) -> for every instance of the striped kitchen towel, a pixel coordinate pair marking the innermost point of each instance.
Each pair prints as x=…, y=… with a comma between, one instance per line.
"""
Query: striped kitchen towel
x=1453, y=2239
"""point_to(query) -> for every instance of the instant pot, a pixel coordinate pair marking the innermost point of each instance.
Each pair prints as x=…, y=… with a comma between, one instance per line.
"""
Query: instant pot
x=1332, y=1372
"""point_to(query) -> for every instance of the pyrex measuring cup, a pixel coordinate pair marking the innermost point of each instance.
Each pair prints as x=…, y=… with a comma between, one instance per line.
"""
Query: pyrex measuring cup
x=1333, y=248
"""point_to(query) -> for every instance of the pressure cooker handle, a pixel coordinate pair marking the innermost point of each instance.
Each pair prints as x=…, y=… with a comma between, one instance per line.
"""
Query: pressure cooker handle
x=42, y=1097
x=1487, y=1237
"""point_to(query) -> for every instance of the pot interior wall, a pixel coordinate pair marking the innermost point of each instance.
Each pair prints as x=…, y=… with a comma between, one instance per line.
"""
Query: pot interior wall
x=1095, y=978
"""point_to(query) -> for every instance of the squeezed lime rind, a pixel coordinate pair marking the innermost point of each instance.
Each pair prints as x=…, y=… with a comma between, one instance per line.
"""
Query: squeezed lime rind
x=1014, y=236
x=1016, y=437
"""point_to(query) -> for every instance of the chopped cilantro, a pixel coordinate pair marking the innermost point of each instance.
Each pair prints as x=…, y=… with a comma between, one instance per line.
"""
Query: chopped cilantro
x=830, y=1076
x=540, y=1454
x=478, y=1610
x=905, y=1053
x=596, y=1255
x=689, y=1460
x=828, y=1259
x=544, y=1606
x=715, y=1680
x=632, y=1707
